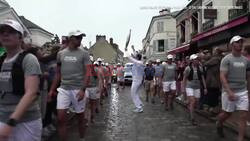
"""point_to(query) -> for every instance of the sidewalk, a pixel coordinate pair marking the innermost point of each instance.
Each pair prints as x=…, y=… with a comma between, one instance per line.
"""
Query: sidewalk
x=231, y=123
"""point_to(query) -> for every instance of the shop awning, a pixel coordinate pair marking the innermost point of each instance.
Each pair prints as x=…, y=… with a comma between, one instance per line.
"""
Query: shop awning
x=220, y=28
x=179, y=49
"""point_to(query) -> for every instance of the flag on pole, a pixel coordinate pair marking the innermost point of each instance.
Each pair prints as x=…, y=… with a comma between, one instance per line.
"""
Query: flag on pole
x=128, y=39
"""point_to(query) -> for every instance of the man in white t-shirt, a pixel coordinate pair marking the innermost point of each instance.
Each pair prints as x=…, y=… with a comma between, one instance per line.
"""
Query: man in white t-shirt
x=234, y=73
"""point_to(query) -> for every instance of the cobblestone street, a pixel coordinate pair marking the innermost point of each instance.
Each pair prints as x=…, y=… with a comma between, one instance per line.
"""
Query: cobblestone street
x=117, y=122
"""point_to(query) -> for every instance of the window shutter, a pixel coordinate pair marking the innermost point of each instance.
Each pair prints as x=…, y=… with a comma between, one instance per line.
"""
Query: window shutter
x=165, y=44
x=154, y=45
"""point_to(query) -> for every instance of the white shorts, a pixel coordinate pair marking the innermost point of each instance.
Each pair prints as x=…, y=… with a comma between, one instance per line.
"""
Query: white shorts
x=93, y=93
x=193, y=92
x=26, y=131
x=242, y=102
x=68, y=98
x=169, y=86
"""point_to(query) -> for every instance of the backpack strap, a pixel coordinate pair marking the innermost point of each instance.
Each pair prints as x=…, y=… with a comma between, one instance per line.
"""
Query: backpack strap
x=18, y=74
x=191, y=73
x=2, y=59
x=199, y=73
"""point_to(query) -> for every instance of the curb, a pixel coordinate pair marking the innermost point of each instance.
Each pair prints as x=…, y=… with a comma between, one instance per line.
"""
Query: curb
x=228, y=125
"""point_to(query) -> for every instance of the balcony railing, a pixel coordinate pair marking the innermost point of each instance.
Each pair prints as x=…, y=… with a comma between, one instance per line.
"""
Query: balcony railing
x=207, y=25
x=235, y=13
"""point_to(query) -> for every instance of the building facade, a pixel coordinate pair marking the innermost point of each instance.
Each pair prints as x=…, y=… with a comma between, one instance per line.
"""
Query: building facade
x=160, y=37
x=217, y=22
x=36, y=35
x=109, y=51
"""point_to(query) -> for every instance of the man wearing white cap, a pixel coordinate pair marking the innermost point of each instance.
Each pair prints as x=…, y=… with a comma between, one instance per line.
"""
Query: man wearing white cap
x=20, y=117
x=169, y=82
x=192, y=80
x=234, y=73
x=72, y=65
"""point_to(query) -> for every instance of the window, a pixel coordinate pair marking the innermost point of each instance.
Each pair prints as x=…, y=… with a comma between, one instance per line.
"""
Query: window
x=160, y=27
x=160, y=45
x=183, y=33
x=208, y=6
x=194, y=23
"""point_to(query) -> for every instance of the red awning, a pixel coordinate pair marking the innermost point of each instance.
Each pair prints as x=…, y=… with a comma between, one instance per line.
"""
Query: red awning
x=220, y=28
x=179, y=49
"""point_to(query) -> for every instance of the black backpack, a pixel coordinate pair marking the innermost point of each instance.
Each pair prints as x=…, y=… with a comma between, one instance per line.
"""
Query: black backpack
x=191, y=73
x=17, y=73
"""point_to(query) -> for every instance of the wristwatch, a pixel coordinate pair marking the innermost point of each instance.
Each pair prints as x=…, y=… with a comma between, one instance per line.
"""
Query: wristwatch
x=12, y=122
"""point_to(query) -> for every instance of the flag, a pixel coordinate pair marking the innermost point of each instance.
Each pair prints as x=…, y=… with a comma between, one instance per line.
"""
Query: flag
x=128, y=39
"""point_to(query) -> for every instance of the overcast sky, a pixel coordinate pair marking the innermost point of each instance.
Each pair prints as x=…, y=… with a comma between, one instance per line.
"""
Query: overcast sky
x=112, y=18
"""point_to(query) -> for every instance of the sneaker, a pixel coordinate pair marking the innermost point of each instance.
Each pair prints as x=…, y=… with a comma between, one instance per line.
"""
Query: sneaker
x=153, y=101
x=172, y=106
x=162, y=102
x=46, y=132
x=138, y=110
x=82, y=139
x=194, y=123
x=219, y=130
x=97, y=110
x=52, y=128
x=166, y=108
x=248, y=123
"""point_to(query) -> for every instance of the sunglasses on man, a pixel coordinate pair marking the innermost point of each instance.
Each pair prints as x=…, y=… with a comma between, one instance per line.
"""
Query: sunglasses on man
x=7, y=29
x=239, y=41
x=78, y=37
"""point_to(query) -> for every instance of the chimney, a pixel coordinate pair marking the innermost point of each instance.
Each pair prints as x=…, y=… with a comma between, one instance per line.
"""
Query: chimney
x=164, y=11
x=111, y=41
x=100, y=38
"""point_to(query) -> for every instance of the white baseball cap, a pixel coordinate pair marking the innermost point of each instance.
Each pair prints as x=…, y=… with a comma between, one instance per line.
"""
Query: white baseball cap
x=76, y=33
x=146, y=63
x=236, y=38
x=99, y=59
x=91, y=58
x=106, y=64
x=193, y=56
x=119, y=64
x=170, y=56
x=163, y=63
x=14, y=24
x=95, y=63
x=158, y=60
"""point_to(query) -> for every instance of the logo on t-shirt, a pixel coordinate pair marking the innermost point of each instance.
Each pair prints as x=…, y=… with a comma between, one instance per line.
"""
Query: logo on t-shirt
x=5, y=76
x=70, y=59
x=170, y=67
x=238, y=64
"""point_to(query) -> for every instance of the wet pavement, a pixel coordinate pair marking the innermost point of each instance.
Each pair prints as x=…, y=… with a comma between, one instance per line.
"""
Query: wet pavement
x=117, y=122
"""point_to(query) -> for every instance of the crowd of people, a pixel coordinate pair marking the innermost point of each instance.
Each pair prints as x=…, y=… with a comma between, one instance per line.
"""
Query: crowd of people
x=39, y=91
x=35, y=88
x=215, y=81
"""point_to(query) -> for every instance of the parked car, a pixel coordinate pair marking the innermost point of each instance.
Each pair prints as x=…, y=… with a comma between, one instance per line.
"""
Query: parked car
x=128, y=73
